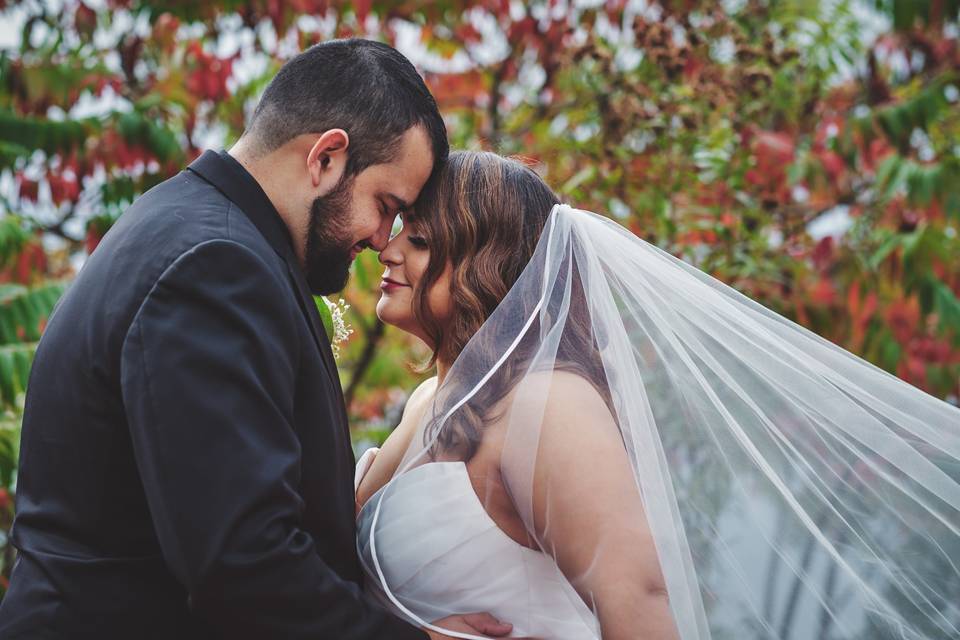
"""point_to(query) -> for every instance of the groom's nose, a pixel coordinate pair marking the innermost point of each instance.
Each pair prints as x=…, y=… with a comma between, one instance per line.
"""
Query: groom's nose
x=378, y=241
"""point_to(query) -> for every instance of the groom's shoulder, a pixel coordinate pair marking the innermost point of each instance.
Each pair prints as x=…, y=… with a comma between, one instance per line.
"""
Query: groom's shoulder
x=180, y=238
x=179, y=215
x=187, y=206
x=183, y=225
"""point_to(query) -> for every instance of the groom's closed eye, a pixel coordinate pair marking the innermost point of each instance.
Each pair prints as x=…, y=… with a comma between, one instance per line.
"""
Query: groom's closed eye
x=390, y=202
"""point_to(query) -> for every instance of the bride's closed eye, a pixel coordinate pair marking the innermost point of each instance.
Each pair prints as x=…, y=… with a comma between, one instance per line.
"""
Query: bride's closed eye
x=418, y=241
x=407, y=221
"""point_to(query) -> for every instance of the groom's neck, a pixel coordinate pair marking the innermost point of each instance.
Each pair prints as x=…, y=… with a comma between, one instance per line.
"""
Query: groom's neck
x=272, y=173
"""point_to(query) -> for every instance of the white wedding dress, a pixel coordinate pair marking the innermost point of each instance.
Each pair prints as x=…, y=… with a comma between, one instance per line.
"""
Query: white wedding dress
x=440, y=552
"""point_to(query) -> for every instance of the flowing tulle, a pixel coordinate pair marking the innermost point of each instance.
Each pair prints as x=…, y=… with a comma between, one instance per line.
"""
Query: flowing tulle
x=793, y=490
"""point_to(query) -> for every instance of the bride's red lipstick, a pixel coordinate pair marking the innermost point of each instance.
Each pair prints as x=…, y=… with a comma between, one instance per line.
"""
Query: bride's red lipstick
x=387, y=285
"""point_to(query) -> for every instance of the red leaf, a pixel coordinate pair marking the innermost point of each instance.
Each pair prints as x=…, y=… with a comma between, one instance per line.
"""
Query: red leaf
x=691, y=68
x=754, y=177
x=773, y=148
x=92, y=240
x=29, y=189
x=869, y=306
x=165, y=31
x=903, y=317
x=833, y=164
x=823, y=293
x=913, y=370
x=362, y=9
x=823, y=253
x=467, y=33
x=85, y=20
x=62, y=188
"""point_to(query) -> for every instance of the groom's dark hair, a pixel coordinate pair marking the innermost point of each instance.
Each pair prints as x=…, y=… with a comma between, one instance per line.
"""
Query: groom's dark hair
x=364, y=87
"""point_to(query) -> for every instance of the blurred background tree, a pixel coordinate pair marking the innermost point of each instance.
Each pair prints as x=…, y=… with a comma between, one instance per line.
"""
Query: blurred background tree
x=804, y=151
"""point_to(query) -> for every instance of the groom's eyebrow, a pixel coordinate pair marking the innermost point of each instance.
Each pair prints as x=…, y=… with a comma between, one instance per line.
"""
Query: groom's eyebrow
x=397, y=201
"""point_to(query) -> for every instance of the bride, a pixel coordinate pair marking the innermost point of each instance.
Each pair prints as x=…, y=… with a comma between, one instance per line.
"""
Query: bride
x=618, y=446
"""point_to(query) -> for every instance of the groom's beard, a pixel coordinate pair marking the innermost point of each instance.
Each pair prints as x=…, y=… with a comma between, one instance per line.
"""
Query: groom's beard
x=329, y=241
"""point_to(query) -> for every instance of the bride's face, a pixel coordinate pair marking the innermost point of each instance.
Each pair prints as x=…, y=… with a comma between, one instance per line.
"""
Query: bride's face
x=406, y=257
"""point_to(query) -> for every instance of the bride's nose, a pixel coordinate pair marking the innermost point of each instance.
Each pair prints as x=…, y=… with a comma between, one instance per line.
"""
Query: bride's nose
x=391, y=254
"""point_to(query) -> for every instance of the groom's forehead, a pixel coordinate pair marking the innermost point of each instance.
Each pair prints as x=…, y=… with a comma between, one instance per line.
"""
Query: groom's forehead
x=395, y=187
x=399, y=181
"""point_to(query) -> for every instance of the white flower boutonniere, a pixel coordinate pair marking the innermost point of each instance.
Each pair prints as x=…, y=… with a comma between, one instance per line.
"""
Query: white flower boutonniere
x=333, y=315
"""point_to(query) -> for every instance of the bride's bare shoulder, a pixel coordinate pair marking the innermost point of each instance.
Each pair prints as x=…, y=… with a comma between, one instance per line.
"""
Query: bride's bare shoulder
x=566, y=406
x=565, y=391
x=420, y=398
x=391, y=453
x=413, y=412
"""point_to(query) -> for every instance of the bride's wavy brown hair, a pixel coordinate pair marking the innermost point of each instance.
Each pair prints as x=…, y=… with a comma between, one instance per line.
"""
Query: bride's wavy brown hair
x=483, y=215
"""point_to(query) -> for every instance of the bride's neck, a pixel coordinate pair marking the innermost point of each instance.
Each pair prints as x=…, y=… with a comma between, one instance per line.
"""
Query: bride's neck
x=442, y=368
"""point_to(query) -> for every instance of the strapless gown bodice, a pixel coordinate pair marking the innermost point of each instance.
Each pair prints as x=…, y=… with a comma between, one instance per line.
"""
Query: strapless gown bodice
x=441, y=553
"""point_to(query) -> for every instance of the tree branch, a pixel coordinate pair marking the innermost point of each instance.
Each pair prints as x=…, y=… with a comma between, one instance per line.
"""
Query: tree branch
x=373, y=337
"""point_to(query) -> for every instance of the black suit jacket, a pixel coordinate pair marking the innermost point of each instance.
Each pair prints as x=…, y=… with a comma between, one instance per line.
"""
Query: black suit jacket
x=185, y=468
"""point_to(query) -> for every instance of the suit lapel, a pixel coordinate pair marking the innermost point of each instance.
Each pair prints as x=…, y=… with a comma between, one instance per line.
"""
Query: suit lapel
x=309, y=307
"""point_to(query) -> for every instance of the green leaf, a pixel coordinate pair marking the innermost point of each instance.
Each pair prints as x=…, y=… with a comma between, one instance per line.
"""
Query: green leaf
x=9, y=440
x=8, y=373
x=888, y=173
x=363, y=265
x=14, y=236
x=952, y=205
x=23, y=310
x=51, y=136
x=890, y=122
x=921, y=184
x=885, y=249
x=585, y=174
x=947, y=307
x=325, y=315
x=10, y=152
x=890, y=352
x=15, y=361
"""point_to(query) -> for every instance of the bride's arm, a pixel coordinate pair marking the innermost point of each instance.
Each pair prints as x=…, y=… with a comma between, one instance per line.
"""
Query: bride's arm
x=391, y=453
x=589, y=514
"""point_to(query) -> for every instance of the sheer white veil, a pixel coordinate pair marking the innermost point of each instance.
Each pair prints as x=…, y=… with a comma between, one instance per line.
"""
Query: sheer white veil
x=791, y=490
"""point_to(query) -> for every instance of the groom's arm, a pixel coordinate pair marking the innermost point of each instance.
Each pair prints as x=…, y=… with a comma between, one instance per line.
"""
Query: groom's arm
x=208, y=369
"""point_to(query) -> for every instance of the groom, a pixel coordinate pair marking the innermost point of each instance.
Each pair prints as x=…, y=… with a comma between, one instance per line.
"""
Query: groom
x=186, y=469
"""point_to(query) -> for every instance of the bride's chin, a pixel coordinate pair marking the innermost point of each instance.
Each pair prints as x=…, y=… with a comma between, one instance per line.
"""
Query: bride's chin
x=387, y=312
x=401, y=317
x=382, y=312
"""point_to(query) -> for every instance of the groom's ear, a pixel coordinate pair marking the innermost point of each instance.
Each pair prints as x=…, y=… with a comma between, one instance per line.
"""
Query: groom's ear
x=327, y=159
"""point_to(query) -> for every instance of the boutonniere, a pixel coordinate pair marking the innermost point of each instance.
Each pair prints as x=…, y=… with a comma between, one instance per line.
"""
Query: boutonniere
x=333, y=315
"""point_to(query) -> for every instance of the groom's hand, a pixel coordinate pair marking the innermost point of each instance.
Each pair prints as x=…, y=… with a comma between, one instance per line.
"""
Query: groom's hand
x=482, y=624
